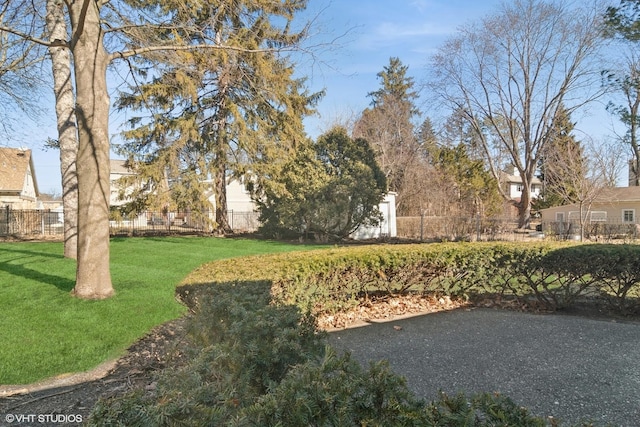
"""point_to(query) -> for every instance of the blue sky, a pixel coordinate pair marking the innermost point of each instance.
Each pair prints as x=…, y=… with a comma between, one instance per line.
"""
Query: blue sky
x=377, y=30
x=368, y=33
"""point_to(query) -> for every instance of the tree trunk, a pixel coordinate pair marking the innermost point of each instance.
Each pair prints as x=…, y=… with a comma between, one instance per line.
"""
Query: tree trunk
x=524, y=207
x=221, y=217
x=93, y=279
x=66, y=123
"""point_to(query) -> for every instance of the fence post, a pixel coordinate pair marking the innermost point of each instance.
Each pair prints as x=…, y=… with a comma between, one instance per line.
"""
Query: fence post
x=421, y=226
x=6, y=228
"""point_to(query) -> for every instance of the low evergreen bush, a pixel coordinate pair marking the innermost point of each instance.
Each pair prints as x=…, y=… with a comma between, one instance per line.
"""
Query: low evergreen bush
x=255, y=358
x=251, y=363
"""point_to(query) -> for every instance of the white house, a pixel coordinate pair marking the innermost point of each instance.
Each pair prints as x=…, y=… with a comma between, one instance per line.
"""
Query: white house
x=512, y=183
x=387, y=227
x=117, y=171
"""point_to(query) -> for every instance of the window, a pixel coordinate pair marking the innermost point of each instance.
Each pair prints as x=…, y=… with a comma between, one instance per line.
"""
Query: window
x=560, y=216
x=519, y=188
x=598, y=216
x=629, y=215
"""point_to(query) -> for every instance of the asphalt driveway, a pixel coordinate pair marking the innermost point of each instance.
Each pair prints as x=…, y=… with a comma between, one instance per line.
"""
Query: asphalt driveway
x=568, y=367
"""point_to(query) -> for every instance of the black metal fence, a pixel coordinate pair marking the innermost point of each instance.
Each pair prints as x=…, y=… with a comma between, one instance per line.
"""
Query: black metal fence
x=31, y=223
x=150, y=222
x=15, y=222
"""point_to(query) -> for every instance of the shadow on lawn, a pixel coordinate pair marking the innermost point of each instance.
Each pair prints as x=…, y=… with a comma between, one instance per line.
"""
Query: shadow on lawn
x=62, y=283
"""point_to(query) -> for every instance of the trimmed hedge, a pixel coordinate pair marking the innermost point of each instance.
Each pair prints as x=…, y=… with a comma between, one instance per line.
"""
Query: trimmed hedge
x=329, y=281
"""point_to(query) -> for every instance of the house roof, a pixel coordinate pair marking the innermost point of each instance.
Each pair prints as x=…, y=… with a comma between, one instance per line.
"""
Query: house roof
x=14, y=164
x=515, y=179
x=618, y=194
x=609, y=195
x=119, y=167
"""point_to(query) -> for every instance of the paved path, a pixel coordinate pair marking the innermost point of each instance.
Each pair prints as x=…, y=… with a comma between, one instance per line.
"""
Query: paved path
x=568, y=367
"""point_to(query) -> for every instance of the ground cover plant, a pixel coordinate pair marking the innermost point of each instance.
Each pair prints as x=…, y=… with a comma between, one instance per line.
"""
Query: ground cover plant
x=253, y=364
x=249, y=362
x=45, y=332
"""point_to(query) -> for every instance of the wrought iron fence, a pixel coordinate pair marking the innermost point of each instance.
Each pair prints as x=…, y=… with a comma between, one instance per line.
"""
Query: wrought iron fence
x=179, y=222
x=28, y=223
x=15, y=222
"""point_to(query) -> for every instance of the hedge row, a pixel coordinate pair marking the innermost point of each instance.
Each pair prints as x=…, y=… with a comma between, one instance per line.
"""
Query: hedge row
x=329, y=281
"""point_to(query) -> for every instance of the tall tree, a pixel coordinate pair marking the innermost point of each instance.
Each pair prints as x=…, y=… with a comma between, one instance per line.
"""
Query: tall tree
x=510, y=73
x=129, y=29
x=623, y=23
x=626, y=83
x=326, y=190
x=67, y=141
x=223, y=114
x=388, y=127
x=560, y=151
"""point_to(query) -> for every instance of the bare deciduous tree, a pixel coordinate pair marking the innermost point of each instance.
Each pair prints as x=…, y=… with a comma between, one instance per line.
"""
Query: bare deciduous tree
x=19, y=77
x=510, y=73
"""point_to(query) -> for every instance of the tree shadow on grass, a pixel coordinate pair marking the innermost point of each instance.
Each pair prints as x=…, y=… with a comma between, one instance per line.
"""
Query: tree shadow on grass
x=19, y=270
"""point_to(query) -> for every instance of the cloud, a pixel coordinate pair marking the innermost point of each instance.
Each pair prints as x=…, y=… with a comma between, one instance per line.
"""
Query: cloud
x=392, y=33
x=399, y=30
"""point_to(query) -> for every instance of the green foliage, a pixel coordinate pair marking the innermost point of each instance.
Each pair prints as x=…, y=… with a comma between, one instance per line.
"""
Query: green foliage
x=330, y=281
x=327, y=190
x=562, y=164
x=273, y=337
x=490, y=410
x=248, y=362
x=396, y=86
x=612, y=271
x=207, y=114
x=624, y=20
x=475, y=188
x=239, y=348
x=337, y=391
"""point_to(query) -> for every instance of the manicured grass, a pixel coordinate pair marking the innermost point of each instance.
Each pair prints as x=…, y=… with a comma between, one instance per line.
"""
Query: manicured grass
x=46, y=332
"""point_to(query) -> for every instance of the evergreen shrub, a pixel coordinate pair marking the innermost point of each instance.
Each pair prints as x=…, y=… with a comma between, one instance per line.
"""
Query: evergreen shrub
x=249, y=362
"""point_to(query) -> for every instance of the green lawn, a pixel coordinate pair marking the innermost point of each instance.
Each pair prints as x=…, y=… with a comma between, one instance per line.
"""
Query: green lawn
x=45, y=332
